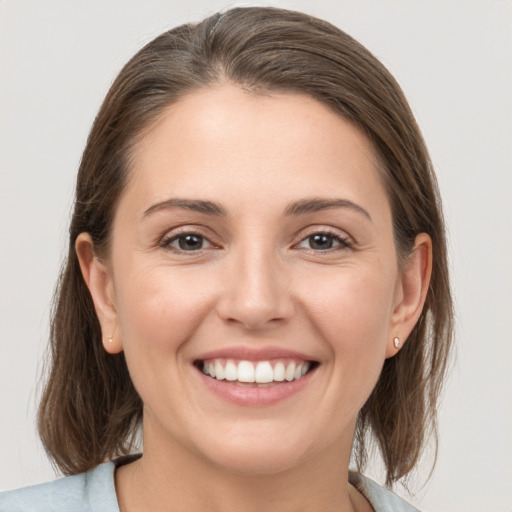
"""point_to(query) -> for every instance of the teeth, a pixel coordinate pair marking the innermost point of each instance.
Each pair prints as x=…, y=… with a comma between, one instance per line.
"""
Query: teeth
x=289, y=374
x=245, y=371
x=231, y=371
x=220, y=373
x=250, y=372
x=279, y=372
x=264, y=372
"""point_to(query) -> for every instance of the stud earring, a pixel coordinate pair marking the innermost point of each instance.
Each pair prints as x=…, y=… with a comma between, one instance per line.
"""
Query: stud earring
x=396, y=342
x=110, y=339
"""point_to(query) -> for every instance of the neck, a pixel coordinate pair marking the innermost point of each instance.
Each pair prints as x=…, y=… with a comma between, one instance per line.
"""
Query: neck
x=179, y=479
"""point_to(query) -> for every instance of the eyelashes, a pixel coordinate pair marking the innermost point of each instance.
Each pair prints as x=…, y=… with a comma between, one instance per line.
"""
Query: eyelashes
x=325, y=242
x=187, y=242
x=316, y=242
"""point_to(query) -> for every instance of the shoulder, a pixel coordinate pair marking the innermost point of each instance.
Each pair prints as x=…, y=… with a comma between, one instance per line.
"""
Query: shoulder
x=85, y=492
x=381, y=499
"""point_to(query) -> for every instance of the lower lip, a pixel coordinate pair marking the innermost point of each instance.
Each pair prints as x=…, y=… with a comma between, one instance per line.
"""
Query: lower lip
x=255, y=396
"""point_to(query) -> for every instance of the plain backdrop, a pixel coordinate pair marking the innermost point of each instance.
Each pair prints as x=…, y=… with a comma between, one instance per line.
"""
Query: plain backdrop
x=452, y=58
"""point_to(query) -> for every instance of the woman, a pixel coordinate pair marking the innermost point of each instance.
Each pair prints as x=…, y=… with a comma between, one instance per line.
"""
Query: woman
x=256, y=277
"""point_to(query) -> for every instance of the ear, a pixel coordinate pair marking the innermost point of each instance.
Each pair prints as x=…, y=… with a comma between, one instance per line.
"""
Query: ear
x=411, y=293
x=99, y=281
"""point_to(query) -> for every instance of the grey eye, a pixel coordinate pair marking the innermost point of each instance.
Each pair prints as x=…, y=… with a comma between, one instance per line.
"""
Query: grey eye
x=188, y=242
x=324, y=242
x=321, y=241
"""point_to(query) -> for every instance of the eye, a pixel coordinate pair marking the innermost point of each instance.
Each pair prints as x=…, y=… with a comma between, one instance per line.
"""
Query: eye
x=324, y=242
x=186, y=242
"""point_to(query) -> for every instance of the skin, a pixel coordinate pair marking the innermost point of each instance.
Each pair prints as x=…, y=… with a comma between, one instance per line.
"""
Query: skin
x=257, y=280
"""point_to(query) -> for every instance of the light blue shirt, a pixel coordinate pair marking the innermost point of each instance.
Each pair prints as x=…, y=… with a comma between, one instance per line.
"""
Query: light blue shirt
x=94, y=491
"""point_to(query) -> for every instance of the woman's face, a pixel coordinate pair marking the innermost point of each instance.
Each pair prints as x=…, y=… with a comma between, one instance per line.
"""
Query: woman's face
x=254, y=237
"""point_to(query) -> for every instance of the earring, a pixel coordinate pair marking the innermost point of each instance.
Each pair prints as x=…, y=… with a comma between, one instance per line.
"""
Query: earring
x=110, y=339
x=396, y=342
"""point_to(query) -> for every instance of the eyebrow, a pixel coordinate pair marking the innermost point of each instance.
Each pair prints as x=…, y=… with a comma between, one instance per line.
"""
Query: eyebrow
x=317, y=204
x=196, y=205
x=296, y=208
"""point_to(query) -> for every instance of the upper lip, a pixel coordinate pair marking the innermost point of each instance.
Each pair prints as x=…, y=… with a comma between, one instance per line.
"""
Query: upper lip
x=253, y=354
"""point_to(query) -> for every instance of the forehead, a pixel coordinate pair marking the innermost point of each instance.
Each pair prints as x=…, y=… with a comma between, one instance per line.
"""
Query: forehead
x=226, y=140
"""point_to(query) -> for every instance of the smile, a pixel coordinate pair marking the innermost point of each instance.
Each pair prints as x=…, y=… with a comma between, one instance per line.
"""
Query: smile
x=259, y=373
x=261, y=377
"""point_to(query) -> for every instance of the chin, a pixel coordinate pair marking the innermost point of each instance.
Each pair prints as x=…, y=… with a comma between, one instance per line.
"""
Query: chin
x=256, y=461
x=260, y=452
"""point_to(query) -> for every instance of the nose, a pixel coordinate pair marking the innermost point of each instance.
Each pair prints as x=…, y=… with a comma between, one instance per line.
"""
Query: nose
x=257, y=292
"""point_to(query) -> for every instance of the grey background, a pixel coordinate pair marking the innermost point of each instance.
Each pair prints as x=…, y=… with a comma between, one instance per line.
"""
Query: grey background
x=453, y=59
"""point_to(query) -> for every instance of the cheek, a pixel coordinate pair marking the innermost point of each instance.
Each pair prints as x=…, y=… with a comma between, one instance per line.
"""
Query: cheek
x=159, y=308
x=351, y=309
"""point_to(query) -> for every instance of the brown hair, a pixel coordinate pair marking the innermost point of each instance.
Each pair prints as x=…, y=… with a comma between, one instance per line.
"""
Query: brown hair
x=89, y=410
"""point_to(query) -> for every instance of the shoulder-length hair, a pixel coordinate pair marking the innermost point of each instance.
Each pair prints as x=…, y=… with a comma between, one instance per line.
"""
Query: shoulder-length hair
x=90, y=411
